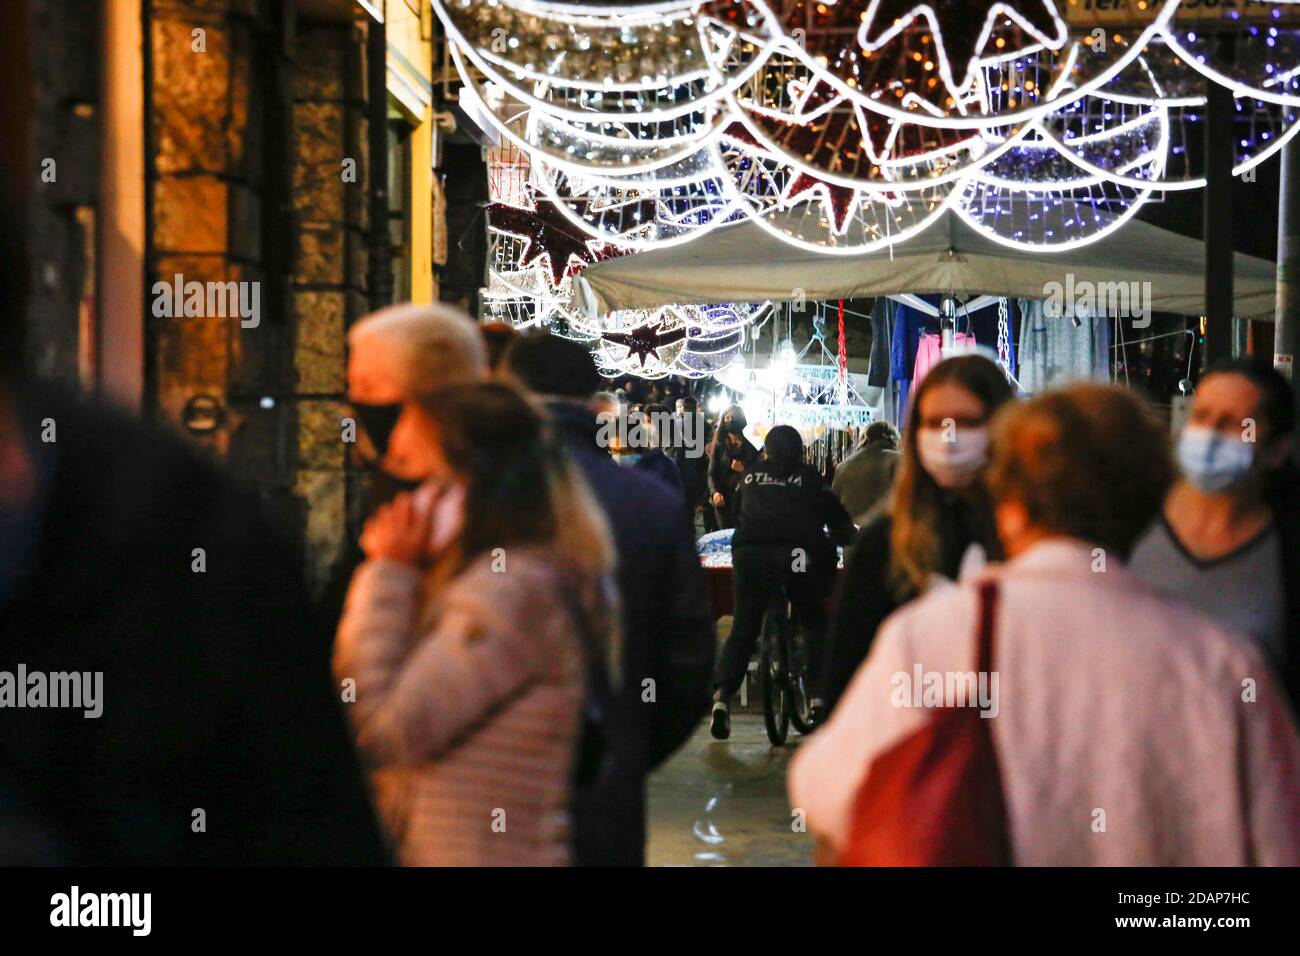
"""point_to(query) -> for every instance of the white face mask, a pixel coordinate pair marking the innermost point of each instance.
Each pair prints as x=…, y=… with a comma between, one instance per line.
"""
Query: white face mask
x=953, y=458
x=1212, y=460
x=448, y=505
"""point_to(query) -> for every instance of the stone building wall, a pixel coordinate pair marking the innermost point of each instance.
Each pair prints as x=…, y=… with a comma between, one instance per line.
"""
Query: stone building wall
x=248, y=139
x=251, y=110
x=328, y=278
x=205, y=152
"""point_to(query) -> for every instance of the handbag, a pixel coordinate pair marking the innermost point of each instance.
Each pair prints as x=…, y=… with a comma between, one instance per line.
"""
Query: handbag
x=935, y=798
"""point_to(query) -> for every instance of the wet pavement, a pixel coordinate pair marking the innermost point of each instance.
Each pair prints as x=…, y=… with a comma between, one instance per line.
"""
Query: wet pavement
x=723, y=803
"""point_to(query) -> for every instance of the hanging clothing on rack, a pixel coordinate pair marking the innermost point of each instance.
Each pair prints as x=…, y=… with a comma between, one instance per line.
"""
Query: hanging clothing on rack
x=929, y=353
x=882, y=324
x=909, y=326
x=1055, y=352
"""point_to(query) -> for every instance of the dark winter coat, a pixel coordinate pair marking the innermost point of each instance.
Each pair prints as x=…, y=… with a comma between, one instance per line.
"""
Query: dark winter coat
x=792, y=511
x=666, y=657
x=867, y=593
x=725, y=480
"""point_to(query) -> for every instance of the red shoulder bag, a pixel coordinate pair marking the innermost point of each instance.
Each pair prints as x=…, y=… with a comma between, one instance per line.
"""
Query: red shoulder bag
x=935, y=797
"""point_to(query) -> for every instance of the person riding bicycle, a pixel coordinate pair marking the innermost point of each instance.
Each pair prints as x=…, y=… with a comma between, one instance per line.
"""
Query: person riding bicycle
x=780, y=546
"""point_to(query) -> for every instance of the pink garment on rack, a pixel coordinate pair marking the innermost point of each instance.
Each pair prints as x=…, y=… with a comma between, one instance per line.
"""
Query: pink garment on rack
x=929, y=353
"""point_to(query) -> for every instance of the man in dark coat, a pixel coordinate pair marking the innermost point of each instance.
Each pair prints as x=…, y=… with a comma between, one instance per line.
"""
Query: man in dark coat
x=687, y=453
x=667, y=649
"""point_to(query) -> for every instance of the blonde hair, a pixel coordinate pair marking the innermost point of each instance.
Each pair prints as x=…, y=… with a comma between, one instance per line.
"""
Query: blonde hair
x=522, y=487
x=916, y=506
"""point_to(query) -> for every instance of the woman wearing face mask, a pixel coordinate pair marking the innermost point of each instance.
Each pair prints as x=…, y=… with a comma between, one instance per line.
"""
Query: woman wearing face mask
x=939, y=512
x=1228, y=540
x=466, y=631
x=732, y=456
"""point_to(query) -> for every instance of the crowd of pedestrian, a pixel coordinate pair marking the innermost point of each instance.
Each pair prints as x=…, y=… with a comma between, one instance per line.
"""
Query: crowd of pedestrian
x=523, y=632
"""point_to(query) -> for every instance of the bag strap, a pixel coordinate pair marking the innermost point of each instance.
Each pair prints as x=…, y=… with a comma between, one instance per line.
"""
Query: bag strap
x=595, y=655
x=988, y=606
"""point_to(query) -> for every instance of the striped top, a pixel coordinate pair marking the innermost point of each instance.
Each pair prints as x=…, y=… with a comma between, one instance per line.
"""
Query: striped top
x=470, y=725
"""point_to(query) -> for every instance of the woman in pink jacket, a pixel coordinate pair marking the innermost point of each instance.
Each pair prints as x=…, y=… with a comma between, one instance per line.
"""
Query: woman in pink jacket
x=1129, y=730
x=467, y=630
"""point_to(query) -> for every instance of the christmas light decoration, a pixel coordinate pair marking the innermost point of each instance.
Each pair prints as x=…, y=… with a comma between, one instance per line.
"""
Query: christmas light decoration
x=548, y=234
x=838, y=126
x=646, y=340
x=962, y=31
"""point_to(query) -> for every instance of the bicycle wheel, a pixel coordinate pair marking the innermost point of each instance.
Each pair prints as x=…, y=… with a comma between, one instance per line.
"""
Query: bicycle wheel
x=772, y=672
x=799, y=699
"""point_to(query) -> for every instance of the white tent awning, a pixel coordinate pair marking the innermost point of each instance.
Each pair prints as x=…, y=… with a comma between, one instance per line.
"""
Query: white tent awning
x=746, y=263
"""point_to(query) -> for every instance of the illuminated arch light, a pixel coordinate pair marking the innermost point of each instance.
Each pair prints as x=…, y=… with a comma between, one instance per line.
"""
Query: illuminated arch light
x=1124, y=143
x=831, y=223
x=629, y=66
x=1161, y=77
x=576, y=149
x=639, y=214
x=894, y=42
x=847, y=145
x=678, y=179
x=649, y=45
x=705, y=340
x=1053, y=221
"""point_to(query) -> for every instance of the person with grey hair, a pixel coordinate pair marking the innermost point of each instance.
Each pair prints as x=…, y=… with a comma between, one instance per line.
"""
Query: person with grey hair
x=864, y=479
x=398, y=355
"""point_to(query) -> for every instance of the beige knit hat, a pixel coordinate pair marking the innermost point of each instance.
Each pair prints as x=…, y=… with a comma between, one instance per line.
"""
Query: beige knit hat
x=414, y=349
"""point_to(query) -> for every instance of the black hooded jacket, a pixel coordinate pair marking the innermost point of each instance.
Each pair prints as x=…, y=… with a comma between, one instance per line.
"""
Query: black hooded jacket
x=792, y=510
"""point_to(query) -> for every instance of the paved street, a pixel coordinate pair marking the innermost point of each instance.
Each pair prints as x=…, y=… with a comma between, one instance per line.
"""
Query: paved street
x=721, y=803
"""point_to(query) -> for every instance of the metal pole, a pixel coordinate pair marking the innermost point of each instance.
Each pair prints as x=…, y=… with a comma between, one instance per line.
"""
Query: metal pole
x=1287, y=331
x=1219, y=159
x=380, y=278
x=947, y=324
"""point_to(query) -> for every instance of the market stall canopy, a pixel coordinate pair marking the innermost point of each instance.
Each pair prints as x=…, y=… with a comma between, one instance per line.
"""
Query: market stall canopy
x=746, y=263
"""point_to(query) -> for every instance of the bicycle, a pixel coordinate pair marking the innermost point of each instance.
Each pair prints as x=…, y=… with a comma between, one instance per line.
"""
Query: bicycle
x=783, y=671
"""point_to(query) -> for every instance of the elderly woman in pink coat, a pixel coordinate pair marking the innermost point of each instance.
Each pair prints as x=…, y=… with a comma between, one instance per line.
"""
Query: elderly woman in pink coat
x=1128, y=731
x=468, y=630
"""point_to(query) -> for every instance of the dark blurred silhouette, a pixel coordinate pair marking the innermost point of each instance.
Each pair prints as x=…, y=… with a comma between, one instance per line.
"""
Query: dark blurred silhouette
x=733, y=454
x=221, y=740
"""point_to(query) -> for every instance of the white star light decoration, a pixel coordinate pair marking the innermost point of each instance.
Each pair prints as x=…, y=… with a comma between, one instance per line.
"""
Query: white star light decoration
x=697, y=341
x=880, y=25
x=788, y=113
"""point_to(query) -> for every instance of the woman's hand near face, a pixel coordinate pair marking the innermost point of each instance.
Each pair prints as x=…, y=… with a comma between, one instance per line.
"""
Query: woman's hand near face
x=398, y=531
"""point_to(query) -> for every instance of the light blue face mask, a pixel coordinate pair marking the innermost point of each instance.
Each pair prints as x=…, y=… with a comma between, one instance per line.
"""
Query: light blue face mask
x=628, y=459
x=1213, y=460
